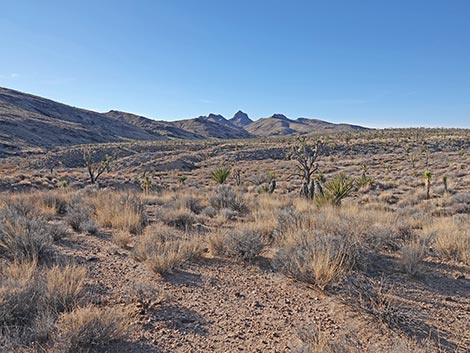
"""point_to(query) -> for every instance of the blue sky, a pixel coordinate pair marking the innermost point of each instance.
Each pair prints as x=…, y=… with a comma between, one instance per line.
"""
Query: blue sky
x=378, y=63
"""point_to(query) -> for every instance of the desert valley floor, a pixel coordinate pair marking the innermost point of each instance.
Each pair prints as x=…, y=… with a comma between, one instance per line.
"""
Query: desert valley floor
x=168, y=255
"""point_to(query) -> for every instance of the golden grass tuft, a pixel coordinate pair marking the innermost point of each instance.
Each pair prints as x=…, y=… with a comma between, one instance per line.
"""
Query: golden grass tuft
x=92, y=329
x=121, y=211
x=65, y=286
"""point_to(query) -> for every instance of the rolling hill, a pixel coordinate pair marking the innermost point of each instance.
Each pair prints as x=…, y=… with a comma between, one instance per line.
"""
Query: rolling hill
x=31, y=124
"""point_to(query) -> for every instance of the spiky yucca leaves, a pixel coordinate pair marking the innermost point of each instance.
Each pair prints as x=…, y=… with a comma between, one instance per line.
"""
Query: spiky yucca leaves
x=220, y=174
x=336, y=190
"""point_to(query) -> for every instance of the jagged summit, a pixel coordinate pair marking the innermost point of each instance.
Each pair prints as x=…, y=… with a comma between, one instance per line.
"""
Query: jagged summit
x=241, y=119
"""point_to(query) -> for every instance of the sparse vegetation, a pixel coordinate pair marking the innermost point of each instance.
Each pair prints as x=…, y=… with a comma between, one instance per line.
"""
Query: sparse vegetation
x=394, y=252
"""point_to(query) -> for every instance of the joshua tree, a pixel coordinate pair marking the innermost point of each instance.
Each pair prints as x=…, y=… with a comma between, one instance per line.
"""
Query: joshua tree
x=146, y=184
x=427, y=180
x=236, y=172
x=305, y=155
x=220, y=174
x=444, y=180
x=51, y=162
x=95, y=166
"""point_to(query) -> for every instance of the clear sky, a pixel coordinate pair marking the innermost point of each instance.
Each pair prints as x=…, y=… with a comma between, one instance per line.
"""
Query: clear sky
x=378, y=63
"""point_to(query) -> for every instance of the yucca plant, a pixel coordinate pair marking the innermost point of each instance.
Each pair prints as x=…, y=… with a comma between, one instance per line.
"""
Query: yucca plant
x=182, y=179
x=220, y=174
x=427, y=175
x=336, y=190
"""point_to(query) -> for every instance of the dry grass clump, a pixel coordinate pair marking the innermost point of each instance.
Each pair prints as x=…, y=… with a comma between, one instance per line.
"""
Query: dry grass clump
x=180, y=218
x=266, y=214
x=51, y=203
x=31, y=300
x=316, y=257
x=412, y=254
x=122, y=211
x=163, y=249
x=122, y=238
x=80, y=217
x=190, y=202
x=226, y=197
x=91, y=329
x=452, y=237
x=243, y=242
x=23, y=235
x=65, y=286
x=312, y=340
x=20, y=291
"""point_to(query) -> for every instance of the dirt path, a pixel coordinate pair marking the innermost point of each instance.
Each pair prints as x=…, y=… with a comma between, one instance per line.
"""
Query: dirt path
x=216, y=305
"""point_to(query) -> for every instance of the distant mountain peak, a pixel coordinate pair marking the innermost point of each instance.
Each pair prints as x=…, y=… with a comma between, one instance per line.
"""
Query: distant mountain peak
x=241, y=119
x=279, y=117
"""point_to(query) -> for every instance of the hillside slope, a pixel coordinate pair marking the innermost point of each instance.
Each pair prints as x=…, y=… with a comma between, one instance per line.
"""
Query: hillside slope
x=29, y=123
x=280, y=125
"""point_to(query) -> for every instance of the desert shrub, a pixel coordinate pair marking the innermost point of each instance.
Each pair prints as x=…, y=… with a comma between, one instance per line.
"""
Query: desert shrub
x=65, y=286
x=317, y=258
x=227, y=214
x=290, y=221
x=21, y=206
x=366, y=295
x=80, y=217
x=191, y=203
x=120, y=211
x=162, y=250
x=180, y=218
x=209, y=211
x=91, y=329
x=31, y=300
x=23, y=236
x=58, y=231
x=243, y=243
x=220, y=174
x=226, y=197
